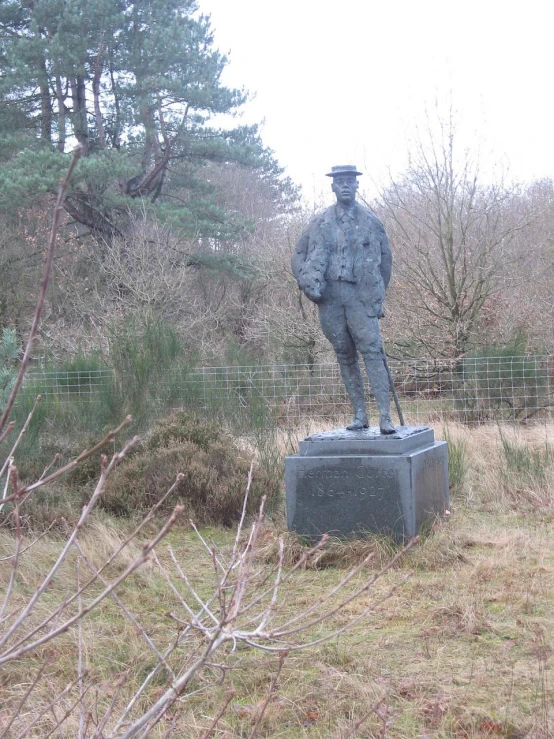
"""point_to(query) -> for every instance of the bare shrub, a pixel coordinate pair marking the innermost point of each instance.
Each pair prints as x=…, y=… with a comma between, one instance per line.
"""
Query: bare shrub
x=248, y=604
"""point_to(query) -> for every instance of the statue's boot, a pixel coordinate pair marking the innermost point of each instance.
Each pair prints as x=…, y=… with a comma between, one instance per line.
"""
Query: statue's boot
x=354, y=384
x=379, y=381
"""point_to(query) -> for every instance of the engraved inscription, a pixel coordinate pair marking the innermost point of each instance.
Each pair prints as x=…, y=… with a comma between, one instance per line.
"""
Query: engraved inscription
x=370, y=473
x=353, y=483
x=349, y=490
x=362, y=493
x=361, y=473
x=431, y=463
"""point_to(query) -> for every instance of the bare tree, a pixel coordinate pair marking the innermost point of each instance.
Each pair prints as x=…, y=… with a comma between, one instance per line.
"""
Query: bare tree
x=452, y=237
x=529, y=306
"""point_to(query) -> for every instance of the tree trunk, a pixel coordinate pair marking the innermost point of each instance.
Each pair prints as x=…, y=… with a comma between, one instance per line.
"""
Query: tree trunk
x=98, y=65
x=116, y=130
x=80, y=124
x=45, y=105
x=61, y=114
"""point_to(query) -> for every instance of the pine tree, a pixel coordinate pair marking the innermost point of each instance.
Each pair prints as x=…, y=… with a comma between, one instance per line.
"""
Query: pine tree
x=136, y=84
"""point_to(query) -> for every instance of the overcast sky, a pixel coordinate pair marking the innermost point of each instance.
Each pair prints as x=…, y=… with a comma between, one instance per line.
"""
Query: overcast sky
x=347, y=82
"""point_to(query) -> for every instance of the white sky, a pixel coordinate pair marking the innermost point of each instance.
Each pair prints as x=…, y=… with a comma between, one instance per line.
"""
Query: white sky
x=346, y=82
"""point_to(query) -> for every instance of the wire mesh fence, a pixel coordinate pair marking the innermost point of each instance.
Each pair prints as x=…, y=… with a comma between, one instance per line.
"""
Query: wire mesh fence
x=469, y=390
x=74, y=385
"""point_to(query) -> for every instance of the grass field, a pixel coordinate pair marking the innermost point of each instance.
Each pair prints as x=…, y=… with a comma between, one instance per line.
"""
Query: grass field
x=462, y=648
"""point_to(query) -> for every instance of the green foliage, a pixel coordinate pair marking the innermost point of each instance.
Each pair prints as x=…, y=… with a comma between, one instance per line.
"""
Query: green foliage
x=136, y=84
x=141, y=355
x=237, y=265
x=238, y=355
x=61, y=427
x=502, y=383
x=457, y=461
x=214, y=474
x=30, y=174
x=9, y=354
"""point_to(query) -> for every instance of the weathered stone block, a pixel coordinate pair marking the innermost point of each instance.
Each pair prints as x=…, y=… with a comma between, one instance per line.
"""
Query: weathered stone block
x=350, y=483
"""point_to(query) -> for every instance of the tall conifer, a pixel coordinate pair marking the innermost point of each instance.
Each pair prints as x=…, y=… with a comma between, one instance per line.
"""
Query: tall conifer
x=137, y=84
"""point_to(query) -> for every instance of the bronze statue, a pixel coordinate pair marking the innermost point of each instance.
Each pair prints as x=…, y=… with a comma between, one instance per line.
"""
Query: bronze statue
x=343, y=263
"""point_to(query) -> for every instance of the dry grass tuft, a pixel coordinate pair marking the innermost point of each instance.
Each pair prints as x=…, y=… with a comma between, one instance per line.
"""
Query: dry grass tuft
x=335, y=553
x=102, y=537
x=508, y=467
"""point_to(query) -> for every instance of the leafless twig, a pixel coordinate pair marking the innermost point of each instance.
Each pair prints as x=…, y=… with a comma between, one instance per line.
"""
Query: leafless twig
x=19, y=437
x=207, y=734
x=270, y=693
x=110, y=436
x=353, y=731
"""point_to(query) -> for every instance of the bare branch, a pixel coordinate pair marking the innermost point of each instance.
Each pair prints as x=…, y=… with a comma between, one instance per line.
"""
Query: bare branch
x=61, y=557
x=207, y=734
x=110, y=436
x=270, y=693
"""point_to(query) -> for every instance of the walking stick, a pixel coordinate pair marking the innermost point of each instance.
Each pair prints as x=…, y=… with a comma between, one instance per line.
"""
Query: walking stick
x=393, y=391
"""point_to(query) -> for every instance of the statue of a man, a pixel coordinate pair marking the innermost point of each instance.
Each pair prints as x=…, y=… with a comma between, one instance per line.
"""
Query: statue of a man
x=343, y=263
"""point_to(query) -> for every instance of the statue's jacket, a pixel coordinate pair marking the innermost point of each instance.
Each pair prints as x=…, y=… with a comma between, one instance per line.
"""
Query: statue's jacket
x=369, y=251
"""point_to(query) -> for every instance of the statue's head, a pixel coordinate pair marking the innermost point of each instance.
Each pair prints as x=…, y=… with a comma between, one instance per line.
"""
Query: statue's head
x=345, y=183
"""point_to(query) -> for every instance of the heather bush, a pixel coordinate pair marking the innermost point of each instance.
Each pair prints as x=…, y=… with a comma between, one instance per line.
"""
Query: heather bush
x=181, y=426
x=212, y=467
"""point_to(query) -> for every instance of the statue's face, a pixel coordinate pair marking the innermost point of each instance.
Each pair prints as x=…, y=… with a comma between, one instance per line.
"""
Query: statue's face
x=345, y=186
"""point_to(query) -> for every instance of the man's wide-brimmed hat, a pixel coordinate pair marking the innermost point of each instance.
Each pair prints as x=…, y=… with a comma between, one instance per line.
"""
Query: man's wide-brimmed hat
x=343, y=169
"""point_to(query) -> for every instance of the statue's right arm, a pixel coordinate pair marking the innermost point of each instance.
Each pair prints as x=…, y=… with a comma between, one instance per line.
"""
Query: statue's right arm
x=309, y=260
x=299, y=256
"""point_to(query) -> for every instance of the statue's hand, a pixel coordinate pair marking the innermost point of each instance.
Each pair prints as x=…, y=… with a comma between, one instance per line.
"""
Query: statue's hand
x=313, y=294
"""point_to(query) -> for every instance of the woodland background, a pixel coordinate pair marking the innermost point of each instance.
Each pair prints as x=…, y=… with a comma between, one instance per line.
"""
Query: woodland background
x=178, y=217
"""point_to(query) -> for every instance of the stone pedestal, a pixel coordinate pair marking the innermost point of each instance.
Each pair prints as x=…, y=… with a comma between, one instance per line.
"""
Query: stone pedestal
x=350, y=483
